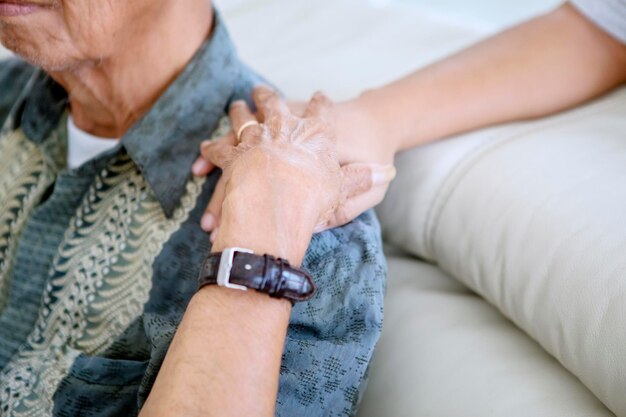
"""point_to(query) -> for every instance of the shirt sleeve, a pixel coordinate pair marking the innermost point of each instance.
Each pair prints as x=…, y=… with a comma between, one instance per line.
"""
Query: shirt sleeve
x=331, y=338
x=609, y=15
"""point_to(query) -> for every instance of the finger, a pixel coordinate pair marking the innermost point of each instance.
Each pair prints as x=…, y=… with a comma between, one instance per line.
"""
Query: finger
x=240, y=114
x=208, y=222
x=297, y=108
x=321, y=107
x=353, y=207
x=212, y=214
x=219, y=152
x=363, y=186
x=268, y=103
x=214, y=234
x=201, y=167
x=358, y=178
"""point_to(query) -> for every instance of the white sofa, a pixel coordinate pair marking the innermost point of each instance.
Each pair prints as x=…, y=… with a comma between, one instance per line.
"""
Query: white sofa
x=506, y=247
x=529, y=217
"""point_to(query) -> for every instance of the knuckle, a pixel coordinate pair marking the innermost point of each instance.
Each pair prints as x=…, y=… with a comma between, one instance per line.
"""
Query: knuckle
x=342, y=215
x=263, y=92
x=205, y=144
x=238, y=104
x=207, y=151
x=323, y=99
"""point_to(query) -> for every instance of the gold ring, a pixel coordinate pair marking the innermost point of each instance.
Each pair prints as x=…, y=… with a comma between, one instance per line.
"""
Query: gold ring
x=244, y=127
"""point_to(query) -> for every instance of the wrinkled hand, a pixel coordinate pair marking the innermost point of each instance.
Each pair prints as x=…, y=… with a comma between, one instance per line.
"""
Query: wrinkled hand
x=292, y=160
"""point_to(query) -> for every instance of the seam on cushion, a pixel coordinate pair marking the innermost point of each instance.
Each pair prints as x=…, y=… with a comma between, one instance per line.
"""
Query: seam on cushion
x=456, y=175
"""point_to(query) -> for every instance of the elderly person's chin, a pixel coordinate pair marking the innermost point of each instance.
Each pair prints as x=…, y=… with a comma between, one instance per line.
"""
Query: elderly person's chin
x=57, y=35
x=41, y=55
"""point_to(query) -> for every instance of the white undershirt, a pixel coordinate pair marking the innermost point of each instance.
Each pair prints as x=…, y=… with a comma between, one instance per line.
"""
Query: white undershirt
x=83, y=146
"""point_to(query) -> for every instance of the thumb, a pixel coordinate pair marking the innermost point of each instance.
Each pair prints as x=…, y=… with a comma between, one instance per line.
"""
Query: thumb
x=359, y=178
x=353, y=207
x=363, y=186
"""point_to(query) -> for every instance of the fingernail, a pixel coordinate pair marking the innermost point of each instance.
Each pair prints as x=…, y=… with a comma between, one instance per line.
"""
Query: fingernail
x=383, y=174
x=208, y=222
x=199, y=166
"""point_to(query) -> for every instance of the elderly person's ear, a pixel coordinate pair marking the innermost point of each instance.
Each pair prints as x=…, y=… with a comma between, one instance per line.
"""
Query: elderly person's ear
x=360, y=185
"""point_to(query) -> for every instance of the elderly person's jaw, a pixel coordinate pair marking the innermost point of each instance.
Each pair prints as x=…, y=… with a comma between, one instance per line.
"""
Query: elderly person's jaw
x=114, y=57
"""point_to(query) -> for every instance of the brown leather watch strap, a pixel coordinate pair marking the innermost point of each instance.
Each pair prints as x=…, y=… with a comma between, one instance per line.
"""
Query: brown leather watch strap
x=264, y=273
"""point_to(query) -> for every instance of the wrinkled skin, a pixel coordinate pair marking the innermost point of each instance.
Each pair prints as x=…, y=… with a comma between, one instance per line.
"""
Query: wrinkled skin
x=307, y=145
x=296, y=154
x=64, y=34
x=113, y=57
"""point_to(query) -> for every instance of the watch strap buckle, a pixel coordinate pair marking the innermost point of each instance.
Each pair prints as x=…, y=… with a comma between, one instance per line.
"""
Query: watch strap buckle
x=226, y=266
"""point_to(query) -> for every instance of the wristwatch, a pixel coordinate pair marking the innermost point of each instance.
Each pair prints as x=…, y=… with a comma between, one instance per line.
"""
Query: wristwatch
x=241, y=269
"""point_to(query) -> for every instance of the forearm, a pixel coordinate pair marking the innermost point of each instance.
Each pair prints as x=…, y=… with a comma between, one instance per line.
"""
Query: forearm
x=225, y=357
x=539, y=67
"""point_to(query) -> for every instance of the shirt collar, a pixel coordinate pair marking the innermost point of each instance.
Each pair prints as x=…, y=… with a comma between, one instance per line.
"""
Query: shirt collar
x=164, y=142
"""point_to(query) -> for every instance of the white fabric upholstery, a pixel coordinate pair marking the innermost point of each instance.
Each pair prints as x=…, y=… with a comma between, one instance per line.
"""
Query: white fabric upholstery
x=532, y=218
x=339, y=46
x=511, y=211
x=447, y=353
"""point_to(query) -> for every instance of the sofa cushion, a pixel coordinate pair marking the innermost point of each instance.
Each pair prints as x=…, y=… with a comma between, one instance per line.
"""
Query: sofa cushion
x=531, y=216
x=339, y=46
x=446, y=352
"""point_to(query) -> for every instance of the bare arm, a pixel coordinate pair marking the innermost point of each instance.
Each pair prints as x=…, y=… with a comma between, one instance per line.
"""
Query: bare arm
x=545, y=65
x=225, y=357
x=539, y=67
x=281, y=182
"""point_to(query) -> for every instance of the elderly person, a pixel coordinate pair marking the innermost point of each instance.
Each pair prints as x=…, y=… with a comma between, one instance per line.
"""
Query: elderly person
x=548, y=64
x=101, y=250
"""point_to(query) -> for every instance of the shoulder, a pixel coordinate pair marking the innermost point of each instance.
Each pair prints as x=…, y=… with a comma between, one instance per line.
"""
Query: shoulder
x=14, y=75
x=349, y=268
x=360, y=238
x=331, y=338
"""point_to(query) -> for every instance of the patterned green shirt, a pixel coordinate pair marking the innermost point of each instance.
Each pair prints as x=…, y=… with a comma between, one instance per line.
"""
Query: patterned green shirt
x=97, y=264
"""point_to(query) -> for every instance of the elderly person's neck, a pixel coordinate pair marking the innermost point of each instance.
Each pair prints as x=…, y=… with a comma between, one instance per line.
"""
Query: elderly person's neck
x=108, y=96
